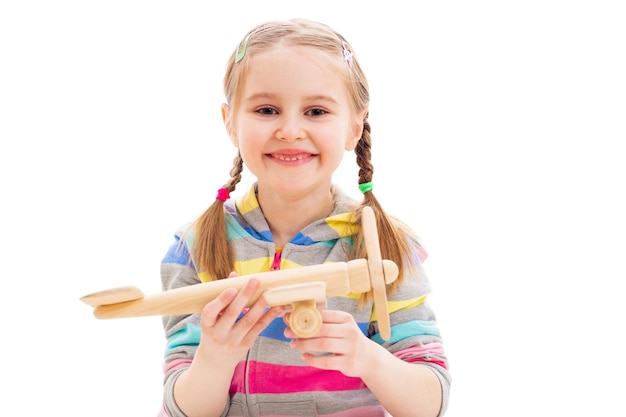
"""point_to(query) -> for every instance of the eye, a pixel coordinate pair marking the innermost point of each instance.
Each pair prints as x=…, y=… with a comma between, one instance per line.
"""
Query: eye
x=267, y=111
x=316, y=112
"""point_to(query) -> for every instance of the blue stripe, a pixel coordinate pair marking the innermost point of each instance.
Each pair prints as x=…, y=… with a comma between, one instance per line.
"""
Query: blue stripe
x=275, y=330
x=187, y=336
x=190, y=334
x=235, y=230
x=177, y=254
x=409, y=329
x=301, y=239
x=277, y=327
x=305, y=240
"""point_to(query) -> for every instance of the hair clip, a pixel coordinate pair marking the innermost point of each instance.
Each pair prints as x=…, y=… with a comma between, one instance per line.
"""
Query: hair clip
x=241, y=52
x=347, y=55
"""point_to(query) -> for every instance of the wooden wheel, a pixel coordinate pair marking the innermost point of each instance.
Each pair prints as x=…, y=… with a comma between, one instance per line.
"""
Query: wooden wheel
x=305, y=319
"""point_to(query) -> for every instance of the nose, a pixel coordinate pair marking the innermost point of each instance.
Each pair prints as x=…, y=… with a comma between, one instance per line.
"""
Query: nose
x=290, y=128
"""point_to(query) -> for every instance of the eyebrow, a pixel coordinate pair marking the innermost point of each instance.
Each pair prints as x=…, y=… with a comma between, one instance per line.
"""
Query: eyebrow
x=270, y=96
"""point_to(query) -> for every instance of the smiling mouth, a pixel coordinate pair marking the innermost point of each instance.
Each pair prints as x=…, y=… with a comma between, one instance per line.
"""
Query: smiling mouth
x=291, y=157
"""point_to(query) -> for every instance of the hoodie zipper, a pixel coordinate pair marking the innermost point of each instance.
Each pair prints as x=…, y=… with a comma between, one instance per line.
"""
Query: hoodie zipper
x=276, y=264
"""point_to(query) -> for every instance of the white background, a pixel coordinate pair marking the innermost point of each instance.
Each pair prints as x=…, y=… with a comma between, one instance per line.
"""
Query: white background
x=498, y=132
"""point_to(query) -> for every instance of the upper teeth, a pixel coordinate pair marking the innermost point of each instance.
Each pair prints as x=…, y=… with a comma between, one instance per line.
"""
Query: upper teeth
x=289, y=158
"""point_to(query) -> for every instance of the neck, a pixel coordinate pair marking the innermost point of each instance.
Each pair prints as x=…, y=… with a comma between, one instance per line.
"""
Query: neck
x=288, y=215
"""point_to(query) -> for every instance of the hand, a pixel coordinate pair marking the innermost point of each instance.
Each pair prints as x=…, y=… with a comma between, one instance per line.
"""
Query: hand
x=340, y=336
x=223, y=336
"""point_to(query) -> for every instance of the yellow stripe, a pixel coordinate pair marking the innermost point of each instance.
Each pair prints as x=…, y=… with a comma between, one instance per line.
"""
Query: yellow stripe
x=399, y=305
x=342, y=223
x=248, y=201
x=204, y=277
x=354, y=295
x=253, y=266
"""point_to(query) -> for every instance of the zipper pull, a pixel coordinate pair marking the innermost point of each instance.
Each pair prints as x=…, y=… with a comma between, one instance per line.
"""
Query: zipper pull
x=276, y=264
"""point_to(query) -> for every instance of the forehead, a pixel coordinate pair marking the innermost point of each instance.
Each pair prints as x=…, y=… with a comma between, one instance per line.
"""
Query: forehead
x=296, y=70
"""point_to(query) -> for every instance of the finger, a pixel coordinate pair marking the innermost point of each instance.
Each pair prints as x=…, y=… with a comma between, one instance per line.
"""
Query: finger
x=261, y=312
x=241, y=300
x=254, y=313
x=268, y=316
x=213, y=309
x=334, y=324
x=257, y=318
x=323, y=361
x=334, y=316
x=332, y=345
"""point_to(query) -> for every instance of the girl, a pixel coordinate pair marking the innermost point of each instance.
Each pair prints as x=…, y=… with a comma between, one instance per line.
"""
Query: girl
x=296, y=100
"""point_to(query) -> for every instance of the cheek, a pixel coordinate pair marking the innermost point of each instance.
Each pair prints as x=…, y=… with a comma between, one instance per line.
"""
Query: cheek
x=251, y=160
x=349, y=139
x=246, y=136
x=250, y=145
x=335, y=154
x=246, y=147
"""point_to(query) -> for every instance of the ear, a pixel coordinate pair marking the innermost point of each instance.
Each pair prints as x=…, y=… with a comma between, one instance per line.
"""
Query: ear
x=357, y=131
x=227, y=123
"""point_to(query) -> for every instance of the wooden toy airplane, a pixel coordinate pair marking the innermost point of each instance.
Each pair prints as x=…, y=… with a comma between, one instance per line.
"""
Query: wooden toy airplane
x=303, y=289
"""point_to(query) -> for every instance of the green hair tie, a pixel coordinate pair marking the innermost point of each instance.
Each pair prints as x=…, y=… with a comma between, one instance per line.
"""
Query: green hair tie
x=366, y=186
x=241, y=52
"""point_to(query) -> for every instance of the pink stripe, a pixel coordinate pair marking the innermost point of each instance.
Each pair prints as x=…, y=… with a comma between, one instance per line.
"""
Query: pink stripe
x=267, y=378
x=431, y=352
x=176, y=364
x=162, y=412
x=438, y=361
x=428, y=349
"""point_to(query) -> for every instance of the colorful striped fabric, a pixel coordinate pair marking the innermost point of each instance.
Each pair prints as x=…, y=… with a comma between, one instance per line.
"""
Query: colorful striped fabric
x=272, y=380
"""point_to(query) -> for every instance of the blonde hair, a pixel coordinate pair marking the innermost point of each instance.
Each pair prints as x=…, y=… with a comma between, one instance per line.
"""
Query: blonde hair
x=210, y=249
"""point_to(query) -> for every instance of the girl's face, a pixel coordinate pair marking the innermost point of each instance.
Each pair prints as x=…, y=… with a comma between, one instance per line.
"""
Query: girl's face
x=294, y=120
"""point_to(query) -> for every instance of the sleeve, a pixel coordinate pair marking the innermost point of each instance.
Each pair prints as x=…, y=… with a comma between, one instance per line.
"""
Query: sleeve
x=182, y=332
x=415, y=335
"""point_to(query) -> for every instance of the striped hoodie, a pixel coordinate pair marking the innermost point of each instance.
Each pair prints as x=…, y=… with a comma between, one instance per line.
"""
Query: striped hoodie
x=272, y=380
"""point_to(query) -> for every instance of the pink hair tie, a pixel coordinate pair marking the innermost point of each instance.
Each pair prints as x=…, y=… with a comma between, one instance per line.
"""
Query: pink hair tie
x=222, y=194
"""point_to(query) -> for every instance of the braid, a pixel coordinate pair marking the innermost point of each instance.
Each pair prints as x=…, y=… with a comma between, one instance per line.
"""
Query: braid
x=363, y=152
x=210, y=245
x=235, y=173
x=393, y=242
